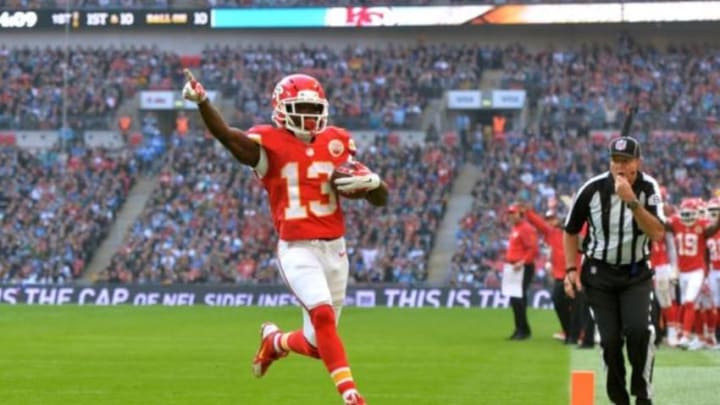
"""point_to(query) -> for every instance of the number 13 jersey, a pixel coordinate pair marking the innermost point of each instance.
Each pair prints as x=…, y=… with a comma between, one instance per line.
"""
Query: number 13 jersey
x=296, y=176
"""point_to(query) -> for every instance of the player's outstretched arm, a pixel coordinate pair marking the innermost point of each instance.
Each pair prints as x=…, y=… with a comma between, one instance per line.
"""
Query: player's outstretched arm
x=244, y=149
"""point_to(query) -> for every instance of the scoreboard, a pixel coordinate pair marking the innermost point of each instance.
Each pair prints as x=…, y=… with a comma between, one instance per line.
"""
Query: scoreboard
x=90, y=19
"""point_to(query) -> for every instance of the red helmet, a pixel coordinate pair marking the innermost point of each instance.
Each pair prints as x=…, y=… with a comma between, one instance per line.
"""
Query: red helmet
x=713, y=207
x=299, y=104
x=689, y=210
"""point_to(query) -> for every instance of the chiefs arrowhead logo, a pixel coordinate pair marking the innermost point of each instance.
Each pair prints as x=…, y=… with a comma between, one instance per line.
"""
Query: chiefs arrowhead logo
x=336, y=148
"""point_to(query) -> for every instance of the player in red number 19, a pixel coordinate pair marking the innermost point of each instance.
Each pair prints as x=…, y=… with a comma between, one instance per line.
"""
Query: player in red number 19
x=295, y=158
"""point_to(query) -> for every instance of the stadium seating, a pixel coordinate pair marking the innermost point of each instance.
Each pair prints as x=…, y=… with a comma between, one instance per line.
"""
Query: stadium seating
x=33, y=91
x=366, y=87
x=590, y=85
x=55, y=212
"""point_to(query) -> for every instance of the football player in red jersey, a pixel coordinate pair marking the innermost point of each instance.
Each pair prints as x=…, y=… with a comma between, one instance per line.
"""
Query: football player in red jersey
x=713, y=244
x=664, y=262
x=691, y=233
x=663, y=259
x=295, y=158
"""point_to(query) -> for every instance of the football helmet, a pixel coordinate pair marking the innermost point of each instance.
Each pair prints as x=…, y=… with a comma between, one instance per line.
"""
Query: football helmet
x=713, y=208
x=299, y=105
x=689, y=212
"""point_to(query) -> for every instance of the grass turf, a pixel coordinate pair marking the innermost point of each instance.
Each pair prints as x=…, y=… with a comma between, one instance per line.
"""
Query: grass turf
x=201, y=355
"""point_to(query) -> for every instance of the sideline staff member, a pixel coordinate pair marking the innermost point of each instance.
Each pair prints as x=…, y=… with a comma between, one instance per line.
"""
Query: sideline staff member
x=624, y=212
x=520, y=256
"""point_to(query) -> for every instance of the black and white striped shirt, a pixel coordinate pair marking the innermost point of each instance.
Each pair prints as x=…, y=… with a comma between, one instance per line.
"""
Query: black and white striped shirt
x=613, y=234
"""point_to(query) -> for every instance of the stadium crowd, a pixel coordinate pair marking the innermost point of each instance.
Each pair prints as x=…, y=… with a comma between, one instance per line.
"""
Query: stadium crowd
x=577, y=89
x=382, y=87
x=56, y=211
x=367, y=87
x=207, y=220
x=98, y=80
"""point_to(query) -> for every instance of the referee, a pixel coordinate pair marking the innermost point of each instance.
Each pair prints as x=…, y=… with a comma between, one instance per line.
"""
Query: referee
x=623, y=210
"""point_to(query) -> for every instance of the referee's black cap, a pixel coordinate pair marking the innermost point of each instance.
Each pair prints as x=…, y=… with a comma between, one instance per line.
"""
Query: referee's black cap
x=625, y=146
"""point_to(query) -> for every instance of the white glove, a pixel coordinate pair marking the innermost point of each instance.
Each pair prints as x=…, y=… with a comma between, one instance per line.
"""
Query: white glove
x=193, y=90
x=351, y=184
x=674, y=275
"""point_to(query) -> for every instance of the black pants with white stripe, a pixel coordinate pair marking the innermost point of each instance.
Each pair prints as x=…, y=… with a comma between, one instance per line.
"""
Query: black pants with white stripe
x=620, y=298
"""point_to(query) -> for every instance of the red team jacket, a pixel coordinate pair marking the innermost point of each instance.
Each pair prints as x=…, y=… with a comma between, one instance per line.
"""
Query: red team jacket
x=553, y=237
x=297, y=179
x=522, y=244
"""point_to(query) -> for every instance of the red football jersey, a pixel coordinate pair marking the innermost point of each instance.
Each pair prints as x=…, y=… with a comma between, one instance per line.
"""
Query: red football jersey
x=296, y=176
x=713, y=244
x=658, y=253
x=690, y=243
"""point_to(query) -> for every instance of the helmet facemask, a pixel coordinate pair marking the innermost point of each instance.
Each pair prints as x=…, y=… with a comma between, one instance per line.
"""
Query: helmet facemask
x=688, y=216
x=304, y=115
x=714, y=213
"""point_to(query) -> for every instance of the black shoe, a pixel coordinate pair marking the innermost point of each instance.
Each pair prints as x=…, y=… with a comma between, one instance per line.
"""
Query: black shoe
x=643, y=401
x=586, y=346
x=523, y=336
x=514, y=335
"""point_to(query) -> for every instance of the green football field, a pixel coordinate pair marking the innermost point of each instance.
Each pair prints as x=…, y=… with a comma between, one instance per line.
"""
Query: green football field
x=201, y=355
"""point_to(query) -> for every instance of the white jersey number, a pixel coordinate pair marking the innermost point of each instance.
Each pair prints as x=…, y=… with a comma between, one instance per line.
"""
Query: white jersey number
x=687, y=244
x=296, y=209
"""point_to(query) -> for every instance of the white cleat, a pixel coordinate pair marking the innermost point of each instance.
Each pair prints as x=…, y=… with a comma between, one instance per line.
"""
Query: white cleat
x=683, y=342
x=696, y=344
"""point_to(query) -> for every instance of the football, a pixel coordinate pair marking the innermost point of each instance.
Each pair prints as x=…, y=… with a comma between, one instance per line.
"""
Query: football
x=348, y=169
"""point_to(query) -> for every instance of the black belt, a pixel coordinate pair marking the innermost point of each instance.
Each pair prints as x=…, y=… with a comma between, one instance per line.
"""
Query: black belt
x=632, y=267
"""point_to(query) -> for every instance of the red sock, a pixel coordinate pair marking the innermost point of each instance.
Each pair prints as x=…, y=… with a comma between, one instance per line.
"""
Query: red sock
x=295, y=342
x=667, y=315
x=688, y=310
x=711, y=321
x=699, y=322
x=331, y=348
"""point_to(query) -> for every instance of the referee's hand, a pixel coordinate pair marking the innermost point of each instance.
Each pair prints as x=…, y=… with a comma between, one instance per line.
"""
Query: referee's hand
x=623, y=188
x=571, y=284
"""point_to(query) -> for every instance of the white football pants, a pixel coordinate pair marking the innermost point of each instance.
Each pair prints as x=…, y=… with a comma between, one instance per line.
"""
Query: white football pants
x=316, y=271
